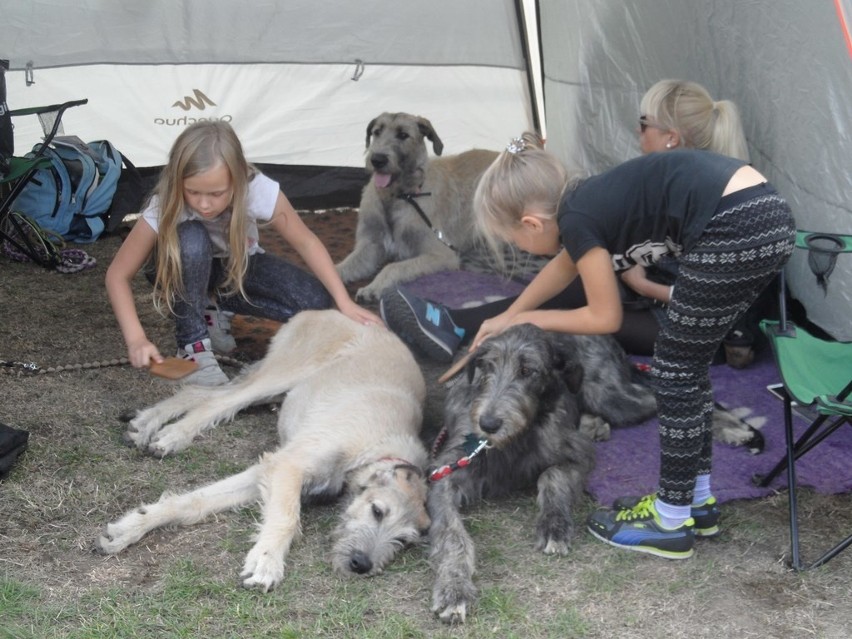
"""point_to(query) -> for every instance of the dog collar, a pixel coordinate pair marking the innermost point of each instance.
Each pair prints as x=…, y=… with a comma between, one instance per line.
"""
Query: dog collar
x=472, y=444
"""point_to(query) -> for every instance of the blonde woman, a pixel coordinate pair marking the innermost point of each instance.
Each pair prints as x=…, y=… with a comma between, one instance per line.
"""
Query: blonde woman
x=201, y=225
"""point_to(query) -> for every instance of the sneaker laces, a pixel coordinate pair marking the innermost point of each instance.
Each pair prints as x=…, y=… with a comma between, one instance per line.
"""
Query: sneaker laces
x=642, y=510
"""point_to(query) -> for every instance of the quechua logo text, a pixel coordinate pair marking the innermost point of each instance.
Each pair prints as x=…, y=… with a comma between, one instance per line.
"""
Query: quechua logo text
x=198, y=101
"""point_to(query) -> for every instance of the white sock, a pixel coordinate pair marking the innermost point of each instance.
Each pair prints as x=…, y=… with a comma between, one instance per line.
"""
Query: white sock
x=672, y=516
x=702, y=490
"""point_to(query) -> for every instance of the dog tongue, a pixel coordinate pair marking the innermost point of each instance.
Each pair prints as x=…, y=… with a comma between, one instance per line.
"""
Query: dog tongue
x=381, y=180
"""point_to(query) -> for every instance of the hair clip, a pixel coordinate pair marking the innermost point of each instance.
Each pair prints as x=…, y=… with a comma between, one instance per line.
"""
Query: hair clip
x=516, y=146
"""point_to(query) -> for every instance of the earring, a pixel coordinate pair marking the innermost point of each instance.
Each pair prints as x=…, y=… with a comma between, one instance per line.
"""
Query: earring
x=668, y=145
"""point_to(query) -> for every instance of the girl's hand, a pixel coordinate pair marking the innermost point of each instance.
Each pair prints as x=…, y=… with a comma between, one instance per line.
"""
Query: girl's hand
x=636, y=278
x=142, y=353
x=360, y=314
x=489, y=328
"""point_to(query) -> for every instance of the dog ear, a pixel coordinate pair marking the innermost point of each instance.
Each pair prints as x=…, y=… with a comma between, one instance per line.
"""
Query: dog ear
x=370, y=130
x=470, y=369
x=428, y=132
x=566, y=359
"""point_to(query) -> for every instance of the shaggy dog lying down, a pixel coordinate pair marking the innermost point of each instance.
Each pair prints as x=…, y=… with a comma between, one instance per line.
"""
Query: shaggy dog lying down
x=350, y=419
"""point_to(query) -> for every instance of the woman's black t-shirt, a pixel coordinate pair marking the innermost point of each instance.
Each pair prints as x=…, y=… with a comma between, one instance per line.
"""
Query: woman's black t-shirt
x=654, y=205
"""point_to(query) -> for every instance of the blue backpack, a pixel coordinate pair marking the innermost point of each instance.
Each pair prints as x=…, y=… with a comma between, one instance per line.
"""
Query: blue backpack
x=73, y=195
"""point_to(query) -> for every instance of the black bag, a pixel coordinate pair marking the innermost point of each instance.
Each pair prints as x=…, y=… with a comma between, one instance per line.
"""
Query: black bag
x=13, y=442
x=7, y=140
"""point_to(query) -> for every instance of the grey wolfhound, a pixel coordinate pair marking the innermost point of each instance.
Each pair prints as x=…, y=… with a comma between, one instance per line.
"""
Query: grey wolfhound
x=415, y=213
x=518, y=399
x=526, y=413
x=351, y=418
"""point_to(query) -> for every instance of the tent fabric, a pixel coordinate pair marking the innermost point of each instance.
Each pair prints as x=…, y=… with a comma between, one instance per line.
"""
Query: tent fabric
x=299, y=80
x=787, y=64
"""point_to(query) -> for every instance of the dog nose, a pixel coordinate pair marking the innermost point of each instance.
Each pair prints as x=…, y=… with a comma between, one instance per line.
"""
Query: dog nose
x=379, y=160
x=360, y=563
x=490, y=424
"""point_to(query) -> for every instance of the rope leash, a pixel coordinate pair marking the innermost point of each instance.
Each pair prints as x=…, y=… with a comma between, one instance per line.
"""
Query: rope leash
x=31, y=368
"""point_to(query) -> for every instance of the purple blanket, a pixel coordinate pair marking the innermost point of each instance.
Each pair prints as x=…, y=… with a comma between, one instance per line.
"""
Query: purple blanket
x=628, y=464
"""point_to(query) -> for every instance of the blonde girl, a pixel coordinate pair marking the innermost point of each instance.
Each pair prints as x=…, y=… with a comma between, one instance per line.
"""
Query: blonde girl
x=200, y=231
x=731, y=233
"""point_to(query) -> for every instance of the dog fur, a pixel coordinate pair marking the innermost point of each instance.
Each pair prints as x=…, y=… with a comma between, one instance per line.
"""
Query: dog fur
x=350, y=419
x=540, y=399
x=520, y=394
x=393, y=244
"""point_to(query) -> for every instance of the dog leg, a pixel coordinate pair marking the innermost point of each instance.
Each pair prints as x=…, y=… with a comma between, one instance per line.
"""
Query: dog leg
x=396, y=273
x=185, y=509
x=281, y=488
x=559, y=490
x=452, y=556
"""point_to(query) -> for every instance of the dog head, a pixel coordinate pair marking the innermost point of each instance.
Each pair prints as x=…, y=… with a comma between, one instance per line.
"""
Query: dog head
x=396, y=151
x=514, y=379
x=386, y=512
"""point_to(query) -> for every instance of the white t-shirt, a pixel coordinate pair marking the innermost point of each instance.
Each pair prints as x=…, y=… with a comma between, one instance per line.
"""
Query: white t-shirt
x=262, y=196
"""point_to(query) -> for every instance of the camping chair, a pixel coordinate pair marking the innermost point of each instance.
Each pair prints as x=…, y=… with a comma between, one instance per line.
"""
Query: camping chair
x=13, y=228
x=817, y=382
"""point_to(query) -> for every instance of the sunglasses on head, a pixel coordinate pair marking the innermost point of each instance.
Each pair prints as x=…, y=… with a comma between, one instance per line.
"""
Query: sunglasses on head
x=644, y=123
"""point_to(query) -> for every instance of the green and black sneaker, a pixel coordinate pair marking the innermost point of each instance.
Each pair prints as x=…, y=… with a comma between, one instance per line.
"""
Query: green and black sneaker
x=706, y=515
x=639, y=529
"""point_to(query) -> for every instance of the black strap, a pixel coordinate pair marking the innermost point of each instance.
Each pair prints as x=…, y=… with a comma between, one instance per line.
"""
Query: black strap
x=411, y=198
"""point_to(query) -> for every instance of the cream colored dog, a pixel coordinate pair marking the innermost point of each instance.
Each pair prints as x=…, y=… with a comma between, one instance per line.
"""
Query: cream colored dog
x=351, y=417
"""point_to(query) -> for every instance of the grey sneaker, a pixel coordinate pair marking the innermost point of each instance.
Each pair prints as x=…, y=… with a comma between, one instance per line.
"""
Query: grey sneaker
x=219, y=329
x=423, y=324
x=208, y=372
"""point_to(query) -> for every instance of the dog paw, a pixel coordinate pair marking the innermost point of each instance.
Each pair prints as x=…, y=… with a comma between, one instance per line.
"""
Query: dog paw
x=451, y=604
x=596, y=428
x=262, y=571
x=552, y=546
x=367, y=295
x=110, y=541
x=167, y=443
x=452, y=615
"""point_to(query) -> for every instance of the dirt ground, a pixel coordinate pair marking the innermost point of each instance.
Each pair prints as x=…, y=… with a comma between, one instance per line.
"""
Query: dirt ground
x=77, y=475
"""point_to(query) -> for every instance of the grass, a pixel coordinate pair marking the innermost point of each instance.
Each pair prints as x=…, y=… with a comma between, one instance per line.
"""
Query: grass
x=77, y=475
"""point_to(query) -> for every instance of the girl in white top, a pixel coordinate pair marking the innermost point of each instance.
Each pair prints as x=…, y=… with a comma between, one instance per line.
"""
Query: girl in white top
x=200, y=229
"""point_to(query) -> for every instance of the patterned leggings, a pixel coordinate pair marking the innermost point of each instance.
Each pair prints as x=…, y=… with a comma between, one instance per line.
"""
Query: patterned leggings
x=745, y=244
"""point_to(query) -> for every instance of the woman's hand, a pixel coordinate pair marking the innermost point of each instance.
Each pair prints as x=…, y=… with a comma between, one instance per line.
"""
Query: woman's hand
x=636, y=278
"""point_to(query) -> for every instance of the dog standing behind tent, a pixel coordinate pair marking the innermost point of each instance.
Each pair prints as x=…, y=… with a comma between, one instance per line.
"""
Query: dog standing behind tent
x=351, y=418
x=415, y=213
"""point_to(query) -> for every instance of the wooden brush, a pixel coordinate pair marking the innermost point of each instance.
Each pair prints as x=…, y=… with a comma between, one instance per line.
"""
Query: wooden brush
x=173, y=368
x=455, y=369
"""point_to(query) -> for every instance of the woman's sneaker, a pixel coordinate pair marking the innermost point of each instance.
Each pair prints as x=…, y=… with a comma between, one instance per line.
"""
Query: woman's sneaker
x=425, y=325
x=208, y=372
x=706, y=515
x=219, y=330
x=640, y=529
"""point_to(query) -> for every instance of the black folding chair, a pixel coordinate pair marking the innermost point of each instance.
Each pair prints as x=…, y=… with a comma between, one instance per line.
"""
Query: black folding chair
x=817, y=375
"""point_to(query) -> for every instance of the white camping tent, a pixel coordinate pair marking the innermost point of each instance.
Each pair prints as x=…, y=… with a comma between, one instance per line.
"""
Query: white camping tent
x=786, y=63
x=300, y=79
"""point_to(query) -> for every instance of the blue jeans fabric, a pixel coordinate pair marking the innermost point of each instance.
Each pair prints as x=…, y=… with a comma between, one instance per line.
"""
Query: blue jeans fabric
x=275, y=289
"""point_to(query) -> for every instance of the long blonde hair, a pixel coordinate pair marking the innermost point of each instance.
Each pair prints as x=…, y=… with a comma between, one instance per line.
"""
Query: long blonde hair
x=200, y=147
x=703, y=123
x=522, y=174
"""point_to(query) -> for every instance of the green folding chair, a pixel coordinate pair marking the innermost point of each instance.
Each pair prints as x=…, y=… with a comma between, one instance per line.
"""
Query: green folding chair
x=13, y=228
x=817, y=374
